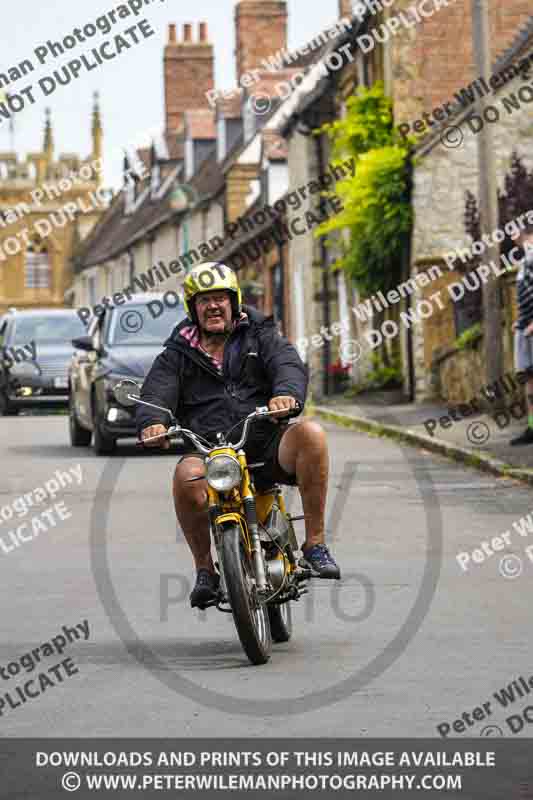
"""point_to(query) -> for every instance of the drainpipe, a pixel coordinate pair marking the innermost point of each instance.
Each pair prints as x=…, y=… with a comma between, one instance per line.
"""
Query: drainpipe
x=326, y=357
x=406, y=270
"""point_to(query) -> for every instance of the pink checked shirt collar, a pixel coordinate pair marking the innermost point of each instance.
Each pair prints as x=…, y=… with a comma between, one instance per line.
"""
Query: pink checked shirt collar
x=192, y=335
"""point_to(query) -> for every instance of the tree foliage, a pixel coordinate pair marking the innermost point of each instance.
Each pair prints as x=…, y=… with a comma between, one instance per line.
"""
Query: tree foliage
x=377, y=207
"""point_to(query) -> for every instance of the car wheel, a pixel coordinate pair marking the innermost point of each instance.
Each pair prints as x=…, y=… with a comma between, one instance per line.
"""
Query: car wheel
x=103, y=445
x=79, y=437
x=6, y=409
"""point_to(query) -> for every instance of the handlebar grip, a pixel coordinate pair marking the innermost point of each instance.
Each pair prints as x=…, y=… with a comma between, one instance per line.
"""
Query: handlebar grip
x=293, y=412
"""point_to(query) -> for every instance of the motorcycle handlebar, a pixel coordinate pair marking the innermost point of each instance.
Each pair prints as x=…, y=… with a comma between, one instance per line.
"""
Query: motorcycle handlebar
x=176, y=431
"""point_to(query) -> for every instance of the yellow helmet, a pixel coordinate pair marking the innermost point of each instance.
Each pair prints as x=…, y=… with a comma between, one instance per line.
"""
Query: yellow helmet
x=212, y=276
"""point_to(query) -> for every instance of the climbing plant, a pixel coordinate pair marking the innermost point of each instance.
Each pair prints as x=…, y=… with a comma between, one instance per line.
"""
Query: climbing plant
x=376, y=200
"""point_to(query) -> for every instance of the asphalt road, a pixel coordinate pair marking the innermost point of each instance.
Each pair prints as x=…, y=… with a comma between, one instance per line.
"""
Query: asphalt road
x=406, y=642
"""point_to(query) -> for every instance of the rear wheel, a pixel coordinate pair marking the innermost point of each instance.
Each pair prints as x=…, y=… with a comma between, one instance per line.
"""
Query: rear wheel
x=79, y=437
x=280, y=622
x=250, y=615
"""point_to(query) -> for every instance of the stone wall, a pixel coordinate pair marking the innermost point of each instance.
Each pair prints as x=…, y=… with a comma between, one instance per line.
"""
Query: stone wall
x=442, y=177
x=433, y=60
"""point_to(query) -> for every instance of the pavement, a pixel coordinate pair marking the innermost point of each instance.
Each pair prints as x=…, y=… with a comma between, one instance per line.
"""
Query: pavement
x=406, y=642
x=480, y=439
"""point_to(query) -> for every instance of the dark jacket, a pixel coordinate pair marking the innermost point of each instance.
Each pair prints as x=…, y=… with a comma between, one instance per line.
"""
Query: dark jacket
x=258, y=364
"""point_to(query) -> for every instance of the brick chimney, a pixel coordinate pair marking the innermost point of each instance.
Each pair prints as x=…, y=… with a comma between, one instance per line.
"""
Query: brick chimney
x=345, y=9
x=189, y=73
x=260, y=31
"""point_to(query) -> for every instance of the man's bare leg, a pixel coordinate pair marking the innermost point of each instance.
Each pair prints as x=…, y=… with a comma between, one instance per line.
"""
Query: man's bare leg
x=304, y=451
x=190, y=502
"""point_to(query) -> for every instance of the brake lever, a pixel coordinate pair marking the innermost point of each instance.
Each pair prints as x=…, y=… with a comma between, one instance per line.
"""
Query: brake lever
x=276, y=416
x=168, y=436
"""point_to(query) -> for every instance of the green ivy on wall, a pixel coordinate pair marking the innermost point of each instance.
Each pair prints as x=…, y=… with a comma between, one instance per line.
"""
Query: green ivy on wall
x=377, y=207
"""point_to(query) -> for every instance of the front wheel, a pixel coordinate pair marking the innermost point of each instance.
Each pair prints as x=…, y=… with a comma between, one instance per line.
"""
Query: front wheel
x=250, y=615
x=280, y=622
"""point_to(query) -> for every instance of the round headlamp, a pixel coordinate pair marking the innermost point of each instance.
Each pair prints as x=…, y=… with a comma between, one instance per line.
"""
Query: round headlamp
x=223, y=473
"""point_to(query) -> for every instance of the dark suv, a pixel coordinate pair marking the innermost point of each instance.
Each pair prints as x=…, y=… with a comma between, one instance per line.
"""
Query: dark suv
x=35, y=353
x=122, y=343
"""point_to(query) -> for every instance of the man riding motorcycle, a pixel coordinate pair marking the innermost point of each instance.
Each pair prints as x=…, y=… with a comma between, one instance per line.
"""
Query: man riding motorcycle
x=217, y=367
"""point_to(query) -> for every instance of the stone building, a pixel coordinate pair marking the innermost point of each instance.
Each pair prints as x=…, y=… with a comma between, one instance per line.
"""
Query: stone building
x=325, y=327
x=427, y=65
x=146, y=223
x=46, y=206
x=222, y=155
x=442, y=177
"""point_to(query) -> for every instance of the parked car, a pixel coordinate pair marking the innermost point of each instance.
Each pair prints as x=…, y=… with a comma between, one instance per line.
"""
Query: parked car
x=35, y=353
x=122, y=343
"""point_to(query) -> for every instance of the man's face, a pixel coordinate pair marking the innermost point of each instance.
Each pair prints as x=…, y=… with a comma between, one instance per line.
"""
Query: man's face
x=214, y=312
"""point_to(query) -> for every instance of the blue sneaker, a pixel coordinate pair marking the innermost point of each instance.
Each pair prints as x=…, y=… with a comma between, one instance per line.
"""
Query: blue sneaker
x=320, y=561
x=205, y=590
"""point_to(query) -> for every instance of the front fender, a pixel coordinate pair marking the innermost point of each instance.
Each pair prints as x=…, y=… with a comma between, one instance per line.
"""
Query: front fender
x=231, y=519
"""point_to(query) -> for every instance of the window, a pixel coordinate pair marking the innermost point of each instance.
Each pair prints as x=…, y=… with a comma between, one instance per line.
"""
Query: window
x=37, y=269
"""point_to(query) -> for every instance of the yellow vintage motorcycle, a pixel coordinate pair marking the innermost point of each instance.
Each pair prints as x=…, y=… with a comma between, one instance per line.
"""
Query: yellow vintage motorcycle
x=253, y=535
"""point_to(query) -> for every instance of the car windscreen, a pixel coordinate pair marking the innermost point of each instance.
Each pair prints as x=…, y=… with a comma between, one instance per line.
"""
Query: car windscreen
x=142, y=324
x=57, y=328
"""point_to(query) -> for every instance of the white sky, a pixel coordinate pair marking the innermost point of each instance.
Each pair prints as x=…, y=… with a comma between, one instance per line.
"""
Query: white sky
x=131, y=85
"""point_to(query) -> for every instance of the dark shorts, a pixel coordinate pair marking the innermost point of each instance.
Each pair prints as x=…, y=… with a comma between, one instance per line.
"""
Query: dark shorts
x=265, y=451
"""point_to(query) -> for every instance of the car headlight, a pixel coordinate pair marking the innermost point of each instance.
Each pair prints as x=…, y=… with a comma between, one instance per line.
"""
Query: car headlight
x=223, y=473
x=111, y=381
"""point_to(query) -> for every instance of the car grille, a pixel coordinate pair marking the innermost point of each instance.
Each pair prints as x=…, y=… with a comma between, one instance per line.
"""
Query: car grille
x=53, y=367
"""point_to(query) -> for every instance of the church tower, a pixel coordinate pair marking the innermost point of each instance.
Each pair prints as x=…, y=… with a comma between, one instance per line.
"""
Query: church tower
x=47, y=205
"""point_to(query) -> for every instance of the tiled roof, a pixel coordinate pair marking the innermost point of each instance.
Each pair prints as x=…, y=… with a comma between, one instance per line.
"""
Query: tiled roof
x=209, y=179
x=115, y=231
x=522, y=40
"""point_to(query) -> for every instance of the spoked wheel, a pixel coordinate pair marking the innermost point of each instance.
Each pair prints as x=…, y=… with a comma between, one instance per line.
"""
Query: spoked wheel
x=250, y=615
x=280, y=622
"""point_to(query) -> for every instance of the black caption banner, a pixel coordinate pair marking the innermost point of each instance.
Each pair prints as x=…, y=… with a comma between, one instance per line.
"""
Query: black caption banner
x=38, y=769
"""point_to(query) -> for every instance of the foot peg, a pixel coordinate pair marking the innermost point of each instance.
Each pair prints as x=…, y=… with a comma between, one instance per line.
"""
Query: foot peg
x=301, y=575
